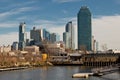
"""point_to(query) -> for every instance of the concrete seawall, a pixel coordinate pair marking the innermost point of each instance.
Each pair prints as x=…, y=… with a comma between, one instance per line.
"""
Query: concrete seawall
x=14, y=68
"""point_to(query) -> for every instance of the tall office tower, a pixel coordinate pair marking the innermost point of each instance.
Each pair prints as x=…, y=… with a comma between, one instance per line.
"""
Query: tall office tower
x=84, y=29
x=22, y=36
x=69, y=35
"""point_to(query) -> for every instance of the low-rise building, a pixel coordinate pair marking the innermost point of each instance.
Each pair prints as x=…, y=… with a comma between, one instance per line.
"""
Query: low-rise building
x=15, y=46
x=55, y=48
x=32, y=49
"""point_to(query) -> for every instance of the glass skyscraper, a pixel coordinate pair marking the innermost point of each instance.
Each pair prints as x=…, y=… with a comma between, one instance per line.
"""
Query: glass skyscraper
x=69, y=36
x=84, y=28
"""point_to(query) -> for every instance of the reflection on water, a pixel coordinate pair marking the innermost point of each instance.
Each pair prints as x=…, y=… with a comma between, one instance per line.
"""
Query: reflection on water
x=54, y=73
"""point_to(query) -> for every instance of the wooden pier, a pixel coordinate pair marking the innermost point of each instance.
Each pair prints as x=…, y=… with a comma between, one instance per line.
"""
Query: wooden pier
x=100, y=60
x=98, y=71
x=106, y=69
x=94, y=60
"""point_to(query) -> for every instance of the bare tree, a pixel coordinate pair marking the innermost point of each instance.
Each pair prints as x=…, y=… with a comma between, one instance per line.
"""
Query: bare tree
x=104, y=47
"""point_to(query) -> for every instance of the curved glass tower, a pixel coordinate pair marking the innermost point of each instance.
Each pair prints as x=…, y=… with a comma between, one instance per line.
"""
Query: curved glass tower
x=68, y=36
x=84, y=28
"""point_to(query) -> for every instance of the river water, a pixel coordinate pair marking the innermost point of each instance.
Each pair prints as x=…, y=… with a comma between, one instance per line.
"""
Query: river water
x=54, y=73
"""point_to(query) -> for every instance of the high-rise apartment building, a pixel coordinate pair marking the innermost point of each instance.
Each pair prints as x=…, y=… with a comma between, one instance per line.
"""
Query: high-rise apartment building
x=54, y=37
x=68, y=36
x=22, y=36
x=84, y=28
x=35, y=34
x=39, y=35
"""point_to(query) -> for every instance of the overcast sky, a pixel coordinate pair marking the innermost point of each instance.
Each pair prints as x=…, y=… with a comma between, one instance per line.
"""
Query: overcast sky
x=54, y=14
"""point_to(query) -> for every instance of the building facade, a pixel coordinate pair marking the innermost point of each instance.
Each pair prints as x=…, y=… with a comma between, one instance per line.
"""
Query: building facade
x=35, y=35
x=22, y=36
x=84, y=29
x=32, y=49
x=39, y=35
x=68, y=36
x=54, y=37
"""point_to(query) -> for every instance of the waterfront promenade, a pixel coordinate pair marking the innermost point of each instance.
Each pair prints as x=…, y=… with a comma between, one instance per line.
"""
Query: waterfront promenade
x=95, y=60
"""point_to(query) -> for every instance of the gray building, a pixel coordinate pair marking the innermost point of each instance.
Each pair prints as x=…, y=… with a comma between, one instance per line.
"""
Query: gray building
x=39, y=35
x=69, y=36
x=84, y=29
x=36, y=35
x=22, y=36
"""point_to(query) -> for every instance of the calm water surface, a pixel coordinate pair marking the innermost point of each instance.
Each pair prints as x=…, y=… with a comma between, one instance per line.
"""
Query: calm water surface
x=54, y=73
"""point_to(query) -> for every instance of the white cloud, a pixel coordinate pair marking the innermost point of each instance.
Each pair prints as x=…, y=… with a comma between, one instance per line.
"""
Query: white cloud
x=53, y=23
x=106, y=30
x=64, y=1
x=44, y=22
x=22, y=18
x=8, y=24
x=15, y=11
x=117, y=1
x=65, y=11
x=9, y=38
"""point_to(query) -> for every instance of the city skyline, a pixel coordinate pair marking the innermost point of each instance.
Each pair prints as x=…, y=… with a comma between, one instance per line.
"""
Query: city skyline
x=54, y=14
